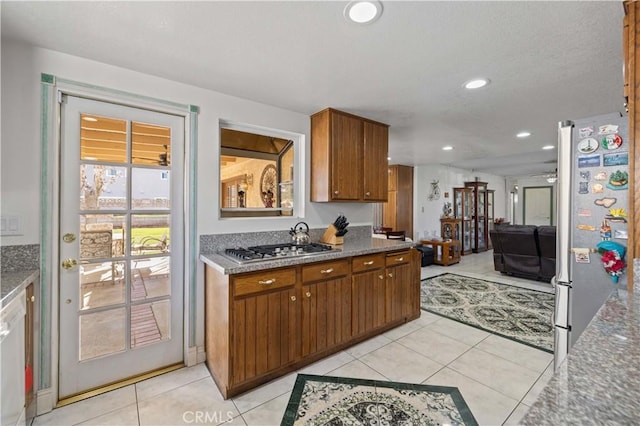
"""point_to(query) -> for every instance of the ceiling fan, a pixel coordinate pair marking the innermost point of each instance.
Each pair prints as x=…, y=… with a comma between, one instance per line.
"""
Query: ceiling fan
x=551, y=176
x=162, y=160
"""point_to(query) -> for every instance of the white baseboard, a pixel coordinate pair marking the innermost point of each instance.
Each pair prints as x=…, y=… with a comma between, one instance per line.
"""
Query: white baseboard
x=44, y=401
x=201, y=355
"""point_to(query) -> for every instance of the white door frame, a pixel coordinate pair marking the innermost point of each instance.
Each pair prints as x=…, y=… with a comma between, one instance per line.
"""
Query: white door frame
x=52, y=90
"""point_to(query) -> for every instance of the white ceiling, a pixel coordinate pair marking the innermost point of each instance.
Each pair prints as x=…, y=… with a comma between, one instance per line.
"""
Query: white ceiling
x=548, y=61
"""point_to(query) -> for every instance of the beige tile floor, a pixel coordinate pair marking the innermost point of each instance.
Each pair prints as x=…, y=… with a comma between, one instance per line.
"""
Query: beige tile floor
x=498, y=378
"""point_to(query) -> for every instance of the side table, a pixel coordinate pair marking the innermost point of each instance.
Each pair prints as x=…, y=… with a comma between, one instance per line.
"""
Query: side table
x=445, y=252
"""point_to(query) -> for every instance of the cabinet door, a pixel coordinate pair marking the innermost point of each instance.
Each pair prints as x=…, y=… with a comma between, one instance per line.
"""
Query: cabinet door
x=376, y=150
x=399, y=302
x=265, y=335
x=389, y=211
x=326, y=314
x=346, y=157
x=368, y=304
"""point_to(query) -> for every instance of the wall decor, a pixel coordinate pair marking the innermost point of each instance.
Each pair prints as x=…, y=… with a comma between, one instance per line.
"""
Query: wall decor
x=268, y=184
x=435, y=190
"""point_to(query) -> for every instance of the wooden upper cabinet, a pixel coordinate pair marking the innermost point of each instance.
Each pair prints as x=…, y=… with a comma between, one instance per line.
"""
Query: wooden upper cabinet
x=376, y=151
x=348, y=158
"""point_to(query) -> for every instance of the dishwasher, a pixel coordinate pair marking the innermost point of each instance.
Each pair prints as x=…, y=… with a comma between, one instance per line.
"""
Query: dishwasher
x=12, y=398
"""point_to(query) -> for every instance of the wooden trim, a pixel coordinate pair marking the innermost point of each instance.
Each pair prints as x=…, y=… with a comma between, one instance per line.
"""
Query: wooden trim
x=632, y=51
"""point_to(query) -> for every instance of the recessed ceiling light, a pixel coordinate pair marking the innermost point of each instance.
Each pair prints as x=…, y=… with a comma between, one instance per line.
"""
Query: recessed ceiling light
x=523, y=134
x=87, y=118
x=476, y=83
x=548, y=147
x=447, y=148
x=363, y=12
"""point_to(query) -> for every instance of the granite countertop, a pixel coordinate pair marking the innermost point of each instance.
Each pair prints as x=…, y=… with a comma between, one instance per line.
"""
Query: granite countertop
x=353, y=247
x=598, y=383
x=14, y=282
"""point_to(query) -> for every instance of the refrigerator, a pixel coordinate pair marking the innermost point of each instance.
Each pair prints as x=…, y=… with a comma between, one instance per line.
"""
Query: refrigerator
x=593, y=161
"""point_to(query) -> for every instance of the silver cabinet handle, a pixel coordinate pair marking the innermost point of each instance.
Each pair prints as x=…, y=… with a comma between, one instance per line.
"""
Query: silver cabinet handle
x=308, y=294
x=326, y=271
x=336, y=192
x=368, y=263
x=293, y=298
x=267, y=282
x=390, y=275
x=367, y=193
x=399, y=259
x=381, y=277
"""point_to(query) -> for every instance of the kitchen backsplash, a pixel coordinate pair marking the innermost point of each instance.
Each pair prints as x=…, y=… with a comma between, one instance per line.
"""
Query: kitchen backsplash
x=216, y=242
x=20, y=258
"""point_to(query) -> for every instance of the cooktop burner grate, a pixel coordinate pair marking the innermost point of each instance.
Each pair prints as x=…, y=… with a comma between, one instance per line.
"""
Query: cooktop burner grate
x=274, y=251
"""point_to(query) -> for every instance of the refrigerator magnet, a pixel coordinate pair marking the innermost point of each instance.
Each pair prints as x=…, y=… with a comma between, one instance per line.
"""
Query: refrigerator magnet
x=588, y=145
x=600, y=176
x=620, y=234
x=589, y=161
x=611, y=142
x=585, y=131
x=584, y=212
x=607, y=128
x=618, y=180
x=583, y=187
x=584, y=227
x=617, y=215
x=605, y=202
x=597, y=188
x=615, y=159
x=582, y=255
x=586, y=175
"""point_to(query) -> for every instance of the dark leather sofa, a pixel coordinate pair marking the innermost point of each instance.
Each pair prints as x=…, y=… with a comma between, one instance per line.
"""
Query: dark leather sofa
x=526, y=251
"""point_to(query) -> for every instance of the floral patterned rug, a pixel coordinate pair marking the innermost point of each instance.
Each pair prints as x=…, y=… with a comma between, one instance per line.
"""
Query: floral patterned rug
x=334, y=401
x=517, y=313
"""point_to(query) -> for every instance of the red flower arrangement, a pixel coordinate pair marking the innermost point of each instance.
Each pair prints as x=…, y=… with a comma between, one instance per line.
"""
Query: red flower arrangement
x=612, y=258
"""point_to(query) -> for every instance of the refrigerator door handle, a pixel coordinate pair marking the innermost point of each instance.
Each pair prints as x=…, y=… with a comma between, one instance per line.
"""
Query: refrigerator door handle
x=563, y=207
x=562, y=306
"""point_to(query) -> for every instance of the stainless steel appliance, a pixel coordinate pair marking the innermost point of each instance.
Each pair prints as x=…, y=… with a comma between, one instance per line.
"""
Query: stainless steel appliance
x=592, y=157
x=262, y=253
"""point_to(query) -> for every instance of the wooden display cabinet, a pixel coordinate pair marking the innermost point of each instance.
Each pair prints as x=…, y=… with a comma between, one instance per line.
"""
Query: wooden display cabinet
x=450, y=228
x=479, y=215
x=462, y=210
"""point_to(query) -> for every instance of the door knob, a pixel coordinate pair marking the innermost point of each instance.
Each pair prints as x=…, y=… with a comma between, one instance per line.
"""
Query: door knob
x=69, y=263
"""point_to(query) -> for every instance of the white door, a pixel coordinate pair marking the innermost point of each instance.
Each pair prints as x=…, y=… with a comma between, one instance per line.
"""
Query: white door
x=537, y=205
x=121, y=248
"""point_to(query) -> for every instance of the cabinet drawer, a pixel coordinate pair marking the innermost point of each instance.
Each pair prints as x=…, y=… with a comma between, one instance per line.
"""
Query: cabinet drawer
x=368, y=262
x=325, y=270
x=263, y=281
x=398, y=258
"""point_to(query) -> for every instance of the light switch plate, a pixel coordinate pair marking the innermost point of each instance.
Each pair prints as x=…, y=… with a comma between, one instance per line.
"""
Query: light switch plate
x=10, y=225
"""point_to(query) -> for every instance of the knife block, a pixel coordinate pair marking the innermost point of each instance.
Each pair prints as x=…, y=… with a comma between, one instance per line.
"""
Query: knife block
x=329, y=236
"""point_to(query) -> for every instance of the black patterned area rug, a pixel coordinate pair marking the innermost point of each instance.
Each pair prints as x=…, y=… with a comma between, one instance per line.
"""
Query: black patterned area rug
x=342, y=401
x=513, y=312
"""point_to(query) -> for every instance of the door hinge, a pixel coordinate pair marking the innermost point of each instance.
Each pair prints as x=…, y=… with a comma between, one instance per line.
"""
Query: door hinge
x=61, y=97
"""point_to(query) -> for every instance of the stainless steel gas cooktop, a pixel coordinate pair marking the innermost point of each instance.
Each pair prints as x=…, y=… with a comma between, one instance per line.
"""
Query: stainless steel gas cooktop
x=243, y=255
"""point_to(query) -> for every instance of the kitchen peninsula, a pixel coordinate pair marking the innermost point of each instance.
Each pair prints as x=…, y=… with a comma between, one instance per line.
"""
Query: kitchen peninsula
x=265, y=319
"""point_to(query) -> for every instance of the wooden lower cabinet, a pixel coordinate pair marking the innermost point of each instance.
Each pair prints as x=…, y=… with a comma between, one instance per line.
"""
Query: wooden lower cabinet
x=399, y=294
x=261, y=325
x=326, y=306
x=265, y=321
